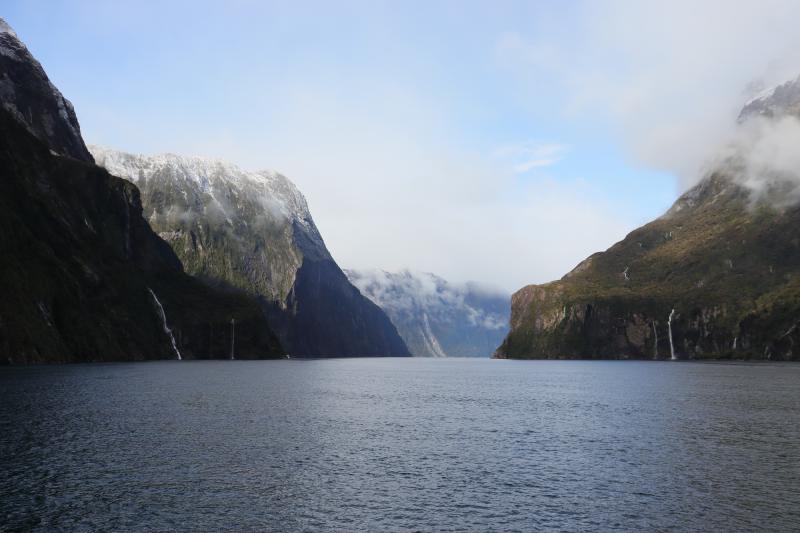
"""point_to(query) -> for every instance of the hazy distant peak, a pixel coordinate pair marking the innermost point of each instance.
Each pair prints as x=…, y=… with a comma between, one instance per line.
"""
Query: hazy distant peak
x=776, y=101
x=437, y=318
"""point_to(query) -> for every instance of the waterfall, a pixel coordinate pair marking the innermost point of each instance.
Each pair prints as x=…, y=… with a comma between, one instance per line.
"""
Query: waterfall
x=734, y=342
x=430, y=339
x=671, y=343
x=655, y=345
x=233, y=336
x=164, y=323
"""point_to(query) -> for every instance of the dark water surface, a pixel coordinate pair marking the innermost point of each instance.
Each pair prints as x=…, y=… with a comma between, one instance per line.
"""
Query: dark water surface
x=400, y=444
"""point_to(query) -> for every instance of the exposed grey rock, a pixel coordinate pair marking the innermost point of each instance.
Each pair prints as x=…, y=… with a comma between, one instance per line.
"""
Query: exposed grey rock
x=27, y=94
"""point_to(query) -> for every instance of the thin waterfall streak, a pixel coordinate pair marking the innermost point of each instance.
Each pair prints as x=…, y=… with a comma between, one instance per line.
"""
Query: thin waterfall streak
x=164, y=323
x=671, y=342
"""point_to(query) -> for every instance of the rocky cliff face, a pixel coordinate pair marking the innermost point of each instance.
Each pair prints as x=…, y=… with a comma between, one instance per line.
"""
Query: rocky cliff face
x=28, y=95
x=437, y=318
x=253, y=231
x=717, y=276
x=84, y=278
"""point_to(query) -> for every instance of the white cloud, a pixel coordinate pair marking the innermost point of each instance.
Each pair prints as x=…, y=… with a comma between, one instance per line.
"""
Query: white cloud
x=412, y=292
x=390, y=187
x=763, y=155
x=529, y=155
x=388, y=130
x=669, y=76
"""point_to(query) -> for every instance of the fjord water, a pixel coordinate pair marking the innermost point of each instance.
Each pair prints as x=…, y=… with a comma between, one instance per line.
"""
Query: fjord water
x=400, y=444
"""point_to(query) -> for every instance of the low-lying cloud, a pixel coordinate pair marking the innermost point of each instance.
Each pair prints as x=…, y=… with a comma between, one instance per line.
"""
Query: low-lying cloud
x=391, y=187
x=415, y=293
x=763, y=154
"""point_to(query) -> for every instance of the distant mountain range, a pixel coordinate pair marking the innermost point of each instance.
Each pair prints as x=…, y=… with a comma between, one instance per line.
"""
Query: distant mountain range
x=717, y=276
x=252, y=231
x=437, y=318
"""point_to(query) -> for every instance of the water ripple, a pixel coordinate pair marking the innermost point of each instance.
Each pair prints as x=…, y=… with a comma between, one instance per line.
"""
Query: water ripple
x=400, y=445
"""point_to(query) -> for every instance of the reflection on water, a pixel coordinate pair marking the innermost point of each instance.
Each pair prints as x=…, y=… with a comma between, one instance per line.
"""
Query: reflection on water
x=393, y=444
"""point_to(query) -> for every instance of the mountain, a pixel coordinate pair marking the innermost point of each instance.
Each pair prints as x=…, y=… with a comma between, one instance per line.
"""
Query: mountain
x=253, y=231
x=434, y=317
x=83, y=276
x=779, y=101
x=717, y=276
x=28, y=95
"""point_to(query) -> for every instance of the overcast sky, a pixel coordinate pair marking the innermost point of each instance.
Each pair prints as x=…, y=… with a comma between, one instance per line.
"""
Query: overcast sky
x=500, y=142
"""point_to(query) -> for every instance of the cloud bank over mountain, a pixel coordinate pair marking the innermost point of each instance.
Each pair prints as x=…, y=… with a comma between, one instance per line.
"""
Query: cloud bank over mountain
x=670, y=76
x=437, y=318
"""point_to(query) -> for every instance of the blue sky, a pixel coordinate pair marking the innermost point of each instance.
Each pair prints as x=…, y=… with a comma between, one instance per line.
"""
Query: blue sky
x=496, y=141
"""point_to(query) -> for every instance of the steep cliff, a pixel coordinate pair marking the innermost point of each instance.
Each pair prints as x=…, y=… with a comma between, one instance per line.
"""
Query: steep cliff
x=28, y=95
x=717, y=276
x=83, y=276
x=253, y=231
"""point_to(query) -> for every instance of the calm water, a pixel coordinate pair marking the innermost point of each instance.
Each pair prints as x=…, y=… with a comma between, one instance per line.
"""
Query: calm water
x=400, y=444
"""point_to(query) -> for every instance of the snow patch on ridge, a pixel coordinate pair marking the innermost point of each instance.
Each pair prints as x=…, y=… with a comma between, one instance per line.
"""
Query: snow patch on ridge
x=762, y=95
x=220, y=180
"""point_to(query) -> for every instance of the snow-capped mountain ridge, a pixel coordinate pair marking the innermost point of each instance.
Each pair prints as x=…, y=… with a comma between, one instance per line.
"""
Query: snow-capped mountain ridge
x=213, y=177
x=779, y=100
x=762, y=95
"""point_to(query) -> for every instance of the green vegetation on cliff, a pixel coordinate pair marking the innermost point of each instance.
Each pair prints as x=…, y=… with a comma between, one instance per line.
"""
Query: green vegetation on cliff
x=727, y=263
x=717, y=276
